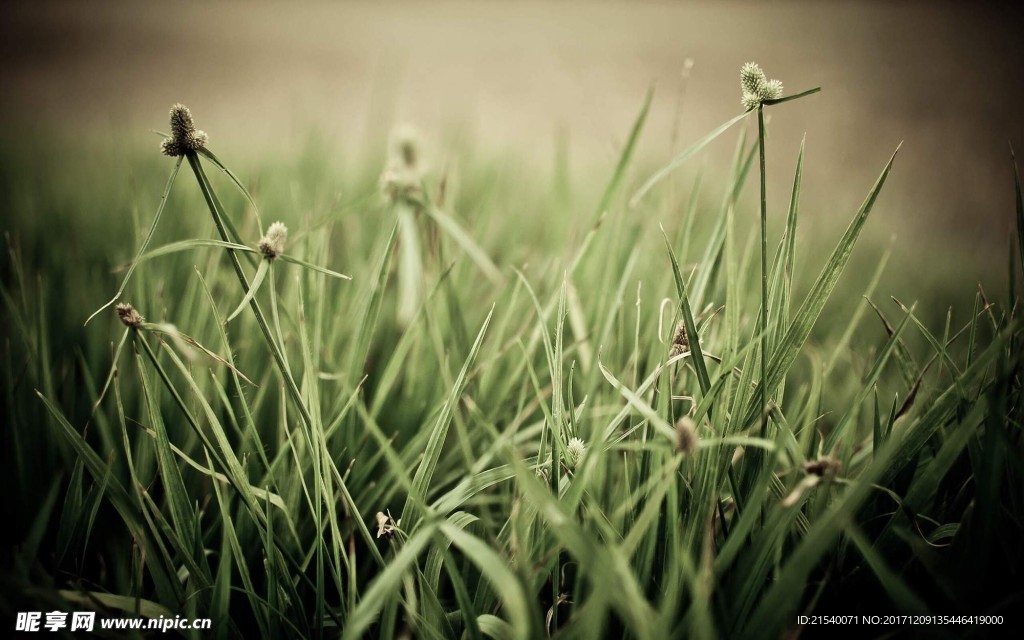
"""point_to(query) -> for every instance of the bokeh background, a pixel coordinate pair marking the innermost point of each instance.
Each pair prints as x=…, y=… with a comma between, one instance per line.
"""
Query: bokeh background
x=536, y=79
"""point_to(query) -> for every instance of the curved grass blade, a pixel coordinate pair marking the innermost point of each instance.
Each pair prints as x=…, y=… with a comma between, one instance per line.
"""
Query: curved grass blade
x=464, y=240
x=624, y=158
x=807, y=314
x=238, y=183
x=681, y=158
x=501, y=578
x=387, y=583
x=145, y=243
x=116, y=494
x=313, y=267
x=425, y=471
x=254, y=286
x=795, y=96
x=185, y=245
x=128, y=604
x=638, y=403
x=691, y=326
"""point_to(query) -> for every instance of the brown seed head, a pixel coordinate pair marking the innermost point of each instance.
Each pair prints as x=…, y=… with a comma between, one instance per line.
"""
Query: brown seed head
x=129, y=316
x=680, y=341
x=824, y=467
x=686, y=436
x=185, y=138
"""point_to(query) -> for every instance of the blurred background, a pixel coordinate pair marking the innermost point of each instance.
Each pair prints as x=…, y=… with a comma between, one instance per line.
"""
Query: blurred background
x=535, y=79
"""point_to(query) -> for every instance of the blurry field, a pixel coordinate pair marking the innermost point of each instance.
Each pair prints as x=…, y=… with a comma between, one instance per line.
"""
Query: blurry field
x=517, y=294
x=522, y=79
x=536, y=80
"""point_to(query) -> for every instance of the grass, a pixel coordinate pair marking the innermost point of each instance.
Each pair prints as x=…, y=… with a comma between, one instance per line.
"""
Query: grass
x=390, y=454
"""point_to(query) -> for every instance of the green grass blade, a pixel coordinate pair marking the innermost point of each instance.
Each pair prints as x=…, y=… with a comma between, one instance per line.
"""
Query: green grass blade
x=681, y=158
x=501, y=578
x=438, y=433
x=807, y=314
x=464, y=240
x=691, y=327
x=145, y=243
x=254, y=286
x=627, y=154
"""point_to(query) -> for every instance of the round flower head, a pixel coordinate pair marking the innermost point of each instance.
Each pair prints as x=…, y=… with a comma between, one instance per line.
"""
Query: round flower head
x=129, y=316
x=686, y=436
x=576, y=450
x=185, y=138
x=757, y=87
x=402, y=175
x=169, y=147
x=271, y=245
x=752, y=78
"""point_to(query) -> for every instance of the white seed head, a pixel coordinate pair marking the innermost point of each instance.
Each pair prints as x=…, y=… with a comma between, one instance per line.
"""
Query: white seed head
x=271, y=244
x=752, y=78
x=185, y=138
x=686, y=436
x=576, y=450
x=403, y=173
x=129, y=316
x=386, y=525
x=757, y=87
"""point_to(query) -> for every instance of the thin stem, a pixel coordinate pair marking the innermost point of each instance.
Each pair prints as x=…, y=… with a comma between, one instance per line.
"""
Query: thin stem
x=282, y=365
x=764, y=273
x=275, y=351
x=188, y=414
x=145, y=243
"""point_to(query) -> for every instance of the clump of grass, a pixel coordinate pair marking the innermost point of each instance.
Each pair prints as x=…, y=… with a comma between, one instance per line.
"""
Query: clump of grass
x=534, y=464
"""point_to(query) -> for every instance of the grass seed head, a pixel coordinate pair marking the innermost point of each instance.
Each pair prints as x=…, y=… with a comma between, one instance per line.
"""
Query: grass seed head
x=686, y=436
x=271, y=245
x=756, y=87
x=824, y=467
x=405, y=148
x=386, y=525
x=752, y=78
x=576, y=450
x=680, y=341
x=773, y=90
x=751, y=101
x=129, y=316
x=185, y=138
x=169, y=147
x=401, y=177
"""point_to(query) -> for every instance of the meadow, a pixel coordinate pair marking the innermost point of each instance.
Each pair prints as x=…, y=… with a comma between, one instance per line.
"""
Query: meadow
x=492, y=403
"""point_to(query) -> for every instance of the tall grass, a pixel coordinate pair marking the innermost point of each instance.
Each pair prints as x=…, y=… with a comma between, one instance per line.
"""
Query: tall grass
x=527, y=425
